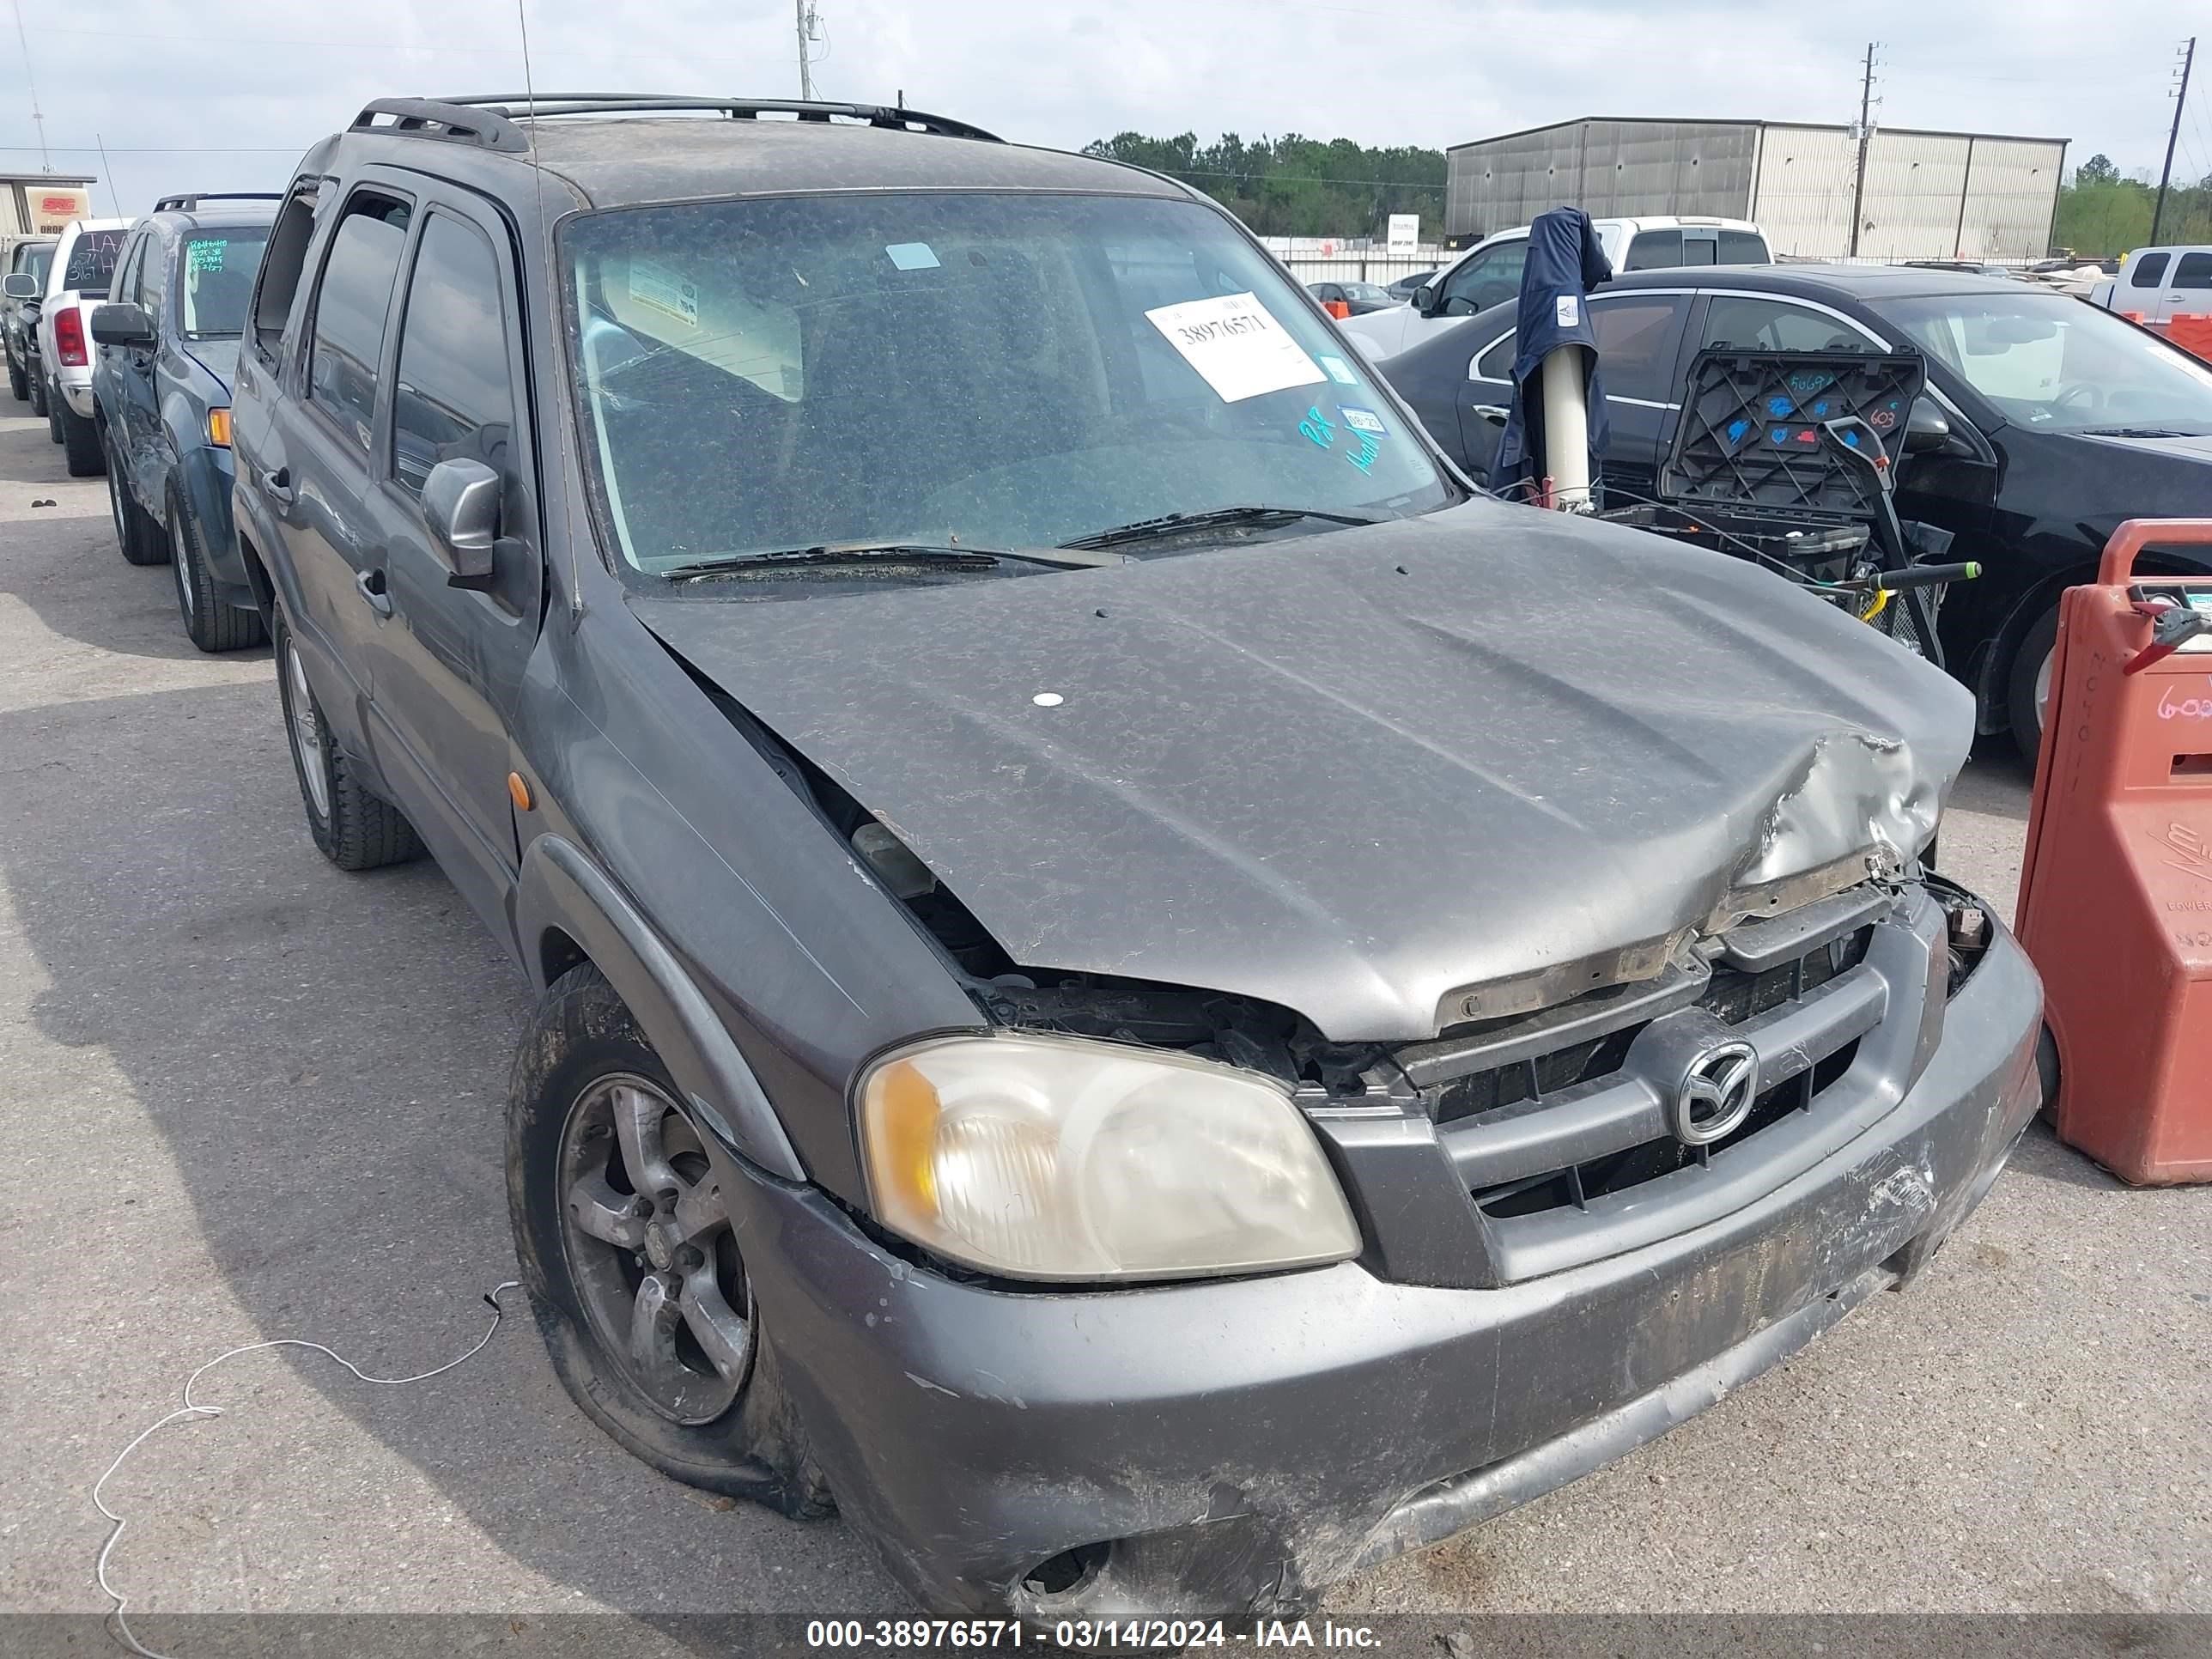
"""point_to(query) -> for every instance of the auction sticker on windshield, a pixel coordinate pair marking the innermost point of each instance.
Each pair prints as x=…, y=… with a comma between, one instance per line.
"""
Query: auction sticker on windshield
x=665, y=291
x=1234, y=343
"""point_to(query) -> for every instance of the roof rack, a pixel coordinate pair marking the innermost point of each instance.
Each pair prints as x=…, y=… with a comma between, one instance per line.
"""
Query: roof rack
x=189, y=203
x=487, y=113
x=448, y=119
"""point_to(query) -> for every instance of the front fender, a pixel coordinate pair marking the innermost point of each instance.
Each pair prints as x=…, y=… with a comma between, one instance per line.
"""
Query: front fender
x=561, y=888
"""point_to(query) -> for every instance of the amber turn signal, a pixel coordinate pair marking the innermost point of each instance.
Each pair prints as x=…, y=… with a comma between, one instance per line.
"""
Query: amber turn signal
x=518, y=792
x=219, y=428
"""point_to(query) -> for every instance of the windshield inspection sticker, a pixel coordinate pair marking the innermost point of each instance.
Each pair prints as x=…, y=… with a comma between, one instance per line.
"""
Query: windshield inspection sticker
x=913, y=256
x=665, y=291
x=1363, y=420
x=1339, y=371
x=1236, y=346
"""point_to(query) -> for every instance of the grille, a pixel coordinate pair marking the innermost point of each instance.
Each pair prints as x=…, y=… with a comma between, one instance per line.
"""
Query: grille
x=1732, y=996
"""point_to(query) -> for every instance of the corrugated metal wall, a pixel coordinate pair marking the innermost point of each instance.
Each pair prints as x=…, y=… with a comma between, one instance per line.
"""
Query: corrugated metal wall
x=1608, y=169
x=1929, y=196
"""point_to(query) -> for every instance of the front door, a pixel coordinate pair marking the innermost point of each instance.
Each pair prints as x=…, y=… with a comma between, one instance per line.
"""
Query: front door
x=449, y=659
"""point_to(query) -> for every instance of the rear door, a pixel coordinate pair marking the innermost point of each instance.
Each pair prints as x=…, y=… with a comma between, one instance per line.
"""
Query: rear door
x=327, y=434
x=450, y=660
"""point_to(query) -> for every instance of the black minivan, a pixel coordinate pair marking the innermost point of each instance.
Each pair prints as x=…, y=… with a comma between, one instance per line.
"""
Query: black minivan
x=2047, y=422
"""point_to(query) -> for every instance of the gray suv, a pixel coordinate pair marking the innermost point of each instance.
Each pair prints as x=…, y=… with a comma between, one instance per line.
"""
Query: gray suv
x=1137, y=991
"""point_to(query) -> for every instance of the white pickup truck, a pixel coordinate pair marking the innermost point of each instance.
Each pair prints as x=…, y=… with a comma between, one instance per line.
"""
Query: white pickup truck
x=1489, y=273
x=76, y=285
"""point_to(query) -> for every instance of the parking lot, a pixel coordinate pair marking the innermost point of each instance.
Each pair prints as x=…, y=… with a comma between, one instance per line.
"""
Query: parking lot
x=255, y=1097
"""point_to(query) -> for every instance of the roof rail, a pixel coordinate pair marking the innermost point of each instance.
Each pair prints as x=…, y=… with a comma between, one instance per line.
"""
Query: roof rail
x=522, y=105
x=447, y=120
x=191, y=202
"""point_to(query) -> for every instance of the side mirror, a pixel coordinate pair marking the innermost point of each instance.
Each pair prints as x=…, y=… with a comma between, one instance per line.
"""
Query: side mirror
x=460, y=498
x=1424, y=299
x=19, y=285
x=122, y=323
x=1926, y=429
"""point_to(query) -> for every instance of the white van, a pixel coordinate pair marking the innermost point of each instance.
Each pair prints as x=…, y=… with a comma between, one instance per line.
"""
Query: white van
x=1489, y=273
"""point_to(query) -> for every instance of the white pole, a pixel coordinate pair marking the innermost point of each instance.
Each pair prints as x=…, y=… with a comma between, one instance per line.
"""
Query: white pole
x=1565, y=460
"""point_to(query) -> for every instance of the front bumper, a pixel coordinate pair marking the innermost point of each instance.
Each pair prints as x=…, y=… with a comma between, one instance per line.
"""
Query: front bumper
x=1226, y=1448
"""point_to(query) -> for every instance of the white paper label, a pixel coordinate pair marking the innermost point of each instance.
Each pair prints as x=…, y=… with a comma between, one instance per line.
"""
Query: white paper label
x=1339, y=371
x=1237, y=345
x=1569, y=310
x=664, y=290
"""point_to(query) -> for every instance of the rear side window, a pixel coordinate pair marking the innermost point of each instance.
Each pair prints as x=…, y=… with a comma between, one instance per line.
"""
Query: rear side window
x=1743, y=247
x=1636, y=344
x=91, y=262
x=2195, y=270
x=1654, y=250
x=454, y=397
x=351, y=306
x=1497, y=363
x=279, y=279
x=2147, y=270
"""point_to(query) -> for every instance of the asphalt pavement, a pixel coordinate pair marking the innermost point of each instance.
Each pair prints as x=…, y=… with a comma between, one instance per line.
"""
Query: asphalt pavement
x=249, y=1096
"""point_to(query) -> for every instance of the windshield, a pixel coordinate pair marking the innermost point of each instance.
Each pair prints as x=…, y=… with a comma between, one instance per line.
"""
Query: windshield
x=218, y=267
x=958, y=370
x=2060, y=364
x=91, y=262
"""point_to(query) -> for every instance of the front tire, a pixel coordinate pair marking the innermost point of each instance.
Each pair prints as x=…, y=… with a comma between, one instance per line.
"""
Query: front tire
x=19, y=383
x=210, y=622
x=353, y=828
x=629, y=1253
x=2028, y=686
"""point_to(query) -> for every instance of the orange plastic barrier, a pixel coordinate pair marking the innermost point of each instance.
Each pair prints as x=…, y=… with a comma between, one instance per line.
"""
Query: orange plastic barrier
x=2192, y=333
x=2116, y=887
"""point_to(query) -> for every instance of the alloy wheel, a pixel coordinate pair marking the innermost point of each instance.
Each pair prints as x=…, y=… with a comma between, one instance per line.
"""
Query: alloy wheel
x=646, y=1231
x=307, y=733
x=180, y=561
x=2043, y=688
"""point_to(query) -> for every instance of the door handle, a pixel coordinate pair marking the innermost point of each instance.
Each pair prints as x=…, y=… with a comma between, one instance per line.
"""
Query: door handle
x=369, y=584
x=1492, y=413
x=277, y=486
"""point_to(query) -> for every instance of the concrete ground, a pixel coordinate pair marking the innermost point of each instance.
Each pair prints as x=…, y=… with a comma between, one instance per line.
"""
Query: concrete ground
x=250, y=1097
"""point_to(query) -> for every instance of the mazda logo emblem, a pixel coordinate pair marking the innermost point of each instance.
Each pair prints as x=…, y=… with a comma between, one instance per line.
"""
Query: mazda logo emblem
x=1715, y=1094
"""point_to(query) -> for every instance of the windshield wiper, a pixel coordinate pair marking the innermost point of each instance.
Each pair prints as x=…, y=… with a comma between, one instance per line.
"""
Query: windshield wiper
x=946, y=557
x=1221, y=518
x=2137, y=432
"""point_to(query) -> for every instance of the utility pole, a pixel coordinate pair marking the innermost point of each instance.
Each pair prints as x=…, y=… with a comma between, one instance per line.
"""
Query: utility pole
x=808, y=32
x=2181, y=97
x=1866, y=136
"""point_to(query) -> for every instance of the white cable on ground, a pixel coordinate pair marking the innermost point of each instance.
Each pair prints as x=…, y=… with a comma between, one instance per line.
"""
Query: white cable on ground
x=192, y=1408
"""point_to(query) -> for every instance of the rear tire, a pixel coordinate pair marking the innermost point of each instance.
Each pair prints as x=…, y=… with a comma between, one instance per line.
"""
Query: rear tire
x=136, y=533
x=50, y=406
x=745, y=1438
x=210, y=622
x=353, y=828
x=85, y=454
x=2027, y=684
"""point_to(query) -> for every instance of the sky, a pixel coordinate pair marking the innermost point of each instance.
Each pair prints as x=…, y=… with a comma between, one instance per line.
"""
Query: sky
x=228, y=93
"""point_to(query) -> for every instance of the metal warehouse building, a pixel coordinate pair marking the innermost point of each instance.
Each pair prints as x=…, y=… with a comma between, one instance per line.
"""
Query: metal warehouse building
x=1929, y=195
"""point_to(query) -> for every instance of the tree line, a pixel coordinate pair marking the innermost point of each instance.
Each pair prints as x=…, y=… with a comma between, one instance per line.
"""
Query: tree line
x=1298, y=186
x=2102, y=213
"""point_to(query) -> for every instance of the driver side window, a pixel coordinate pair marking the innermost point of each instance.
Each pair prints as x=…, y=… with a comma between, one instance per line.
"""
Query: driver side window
x=1488, y=279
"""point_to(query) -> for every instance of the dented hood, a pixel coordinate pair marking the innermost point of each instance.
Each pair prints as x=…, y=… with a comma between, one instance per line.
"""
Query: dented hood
x=1355, y=773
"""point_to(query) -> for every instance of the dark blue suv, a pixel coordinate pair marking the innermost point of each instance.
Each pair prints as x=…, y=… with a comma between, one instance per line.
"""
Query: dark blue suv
x=168, y=345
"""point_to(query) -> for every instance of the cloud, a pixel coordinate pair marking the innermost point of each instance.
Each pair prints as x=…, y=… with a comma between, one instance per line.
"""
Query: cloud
x=227, y=94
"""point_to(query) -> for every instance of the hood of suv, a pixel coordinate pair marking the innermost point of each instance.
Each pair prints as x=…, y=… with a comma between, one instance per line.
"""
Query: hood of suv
x=1355, y=773
x=218, y=357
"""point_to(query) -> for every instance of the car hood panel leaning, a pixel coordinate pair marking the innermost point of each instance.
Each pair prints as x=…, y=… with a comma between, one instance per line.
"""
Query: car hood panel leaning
x=1352, y=772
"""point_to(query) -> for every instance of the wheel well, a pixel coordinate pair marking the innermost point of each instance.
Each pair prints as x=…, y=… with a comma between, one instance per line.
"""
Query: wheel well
x=1993, y=672
x=556, y=954
x=257, y=577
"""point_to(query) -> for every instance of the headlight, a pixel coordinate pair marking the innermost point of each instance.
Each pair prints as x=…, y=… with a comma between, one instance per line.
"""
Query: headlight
x=1056, y=1157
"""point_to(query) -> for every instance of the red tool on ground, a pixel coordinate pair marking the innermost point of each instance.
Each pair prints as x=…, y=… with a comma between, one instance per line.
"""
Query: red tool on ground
x=2115, y=889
